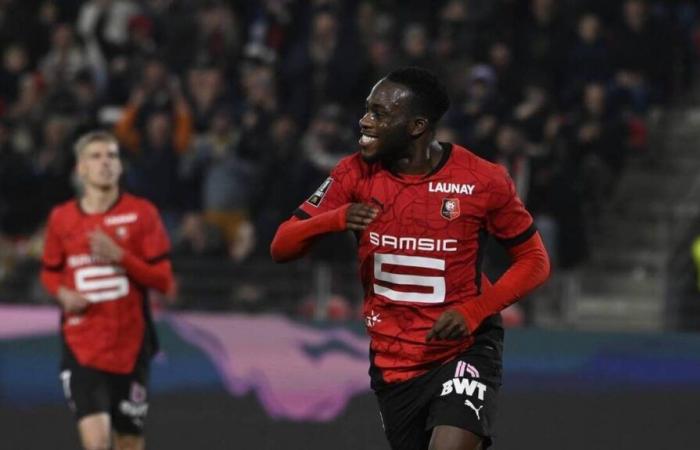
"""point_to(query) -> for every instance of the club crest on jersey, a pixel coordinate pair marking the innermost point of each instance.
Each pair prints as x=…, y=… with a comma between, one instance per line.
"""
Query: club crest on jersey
x=317, y=196
x=450, y=208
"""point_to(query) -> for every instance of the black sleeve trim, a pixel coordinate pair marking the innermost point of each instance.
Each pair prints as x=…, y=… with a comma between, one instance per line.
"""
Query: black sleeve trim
x=301, y=214
x=52, y=267
x=158, y=258
x=519, y=239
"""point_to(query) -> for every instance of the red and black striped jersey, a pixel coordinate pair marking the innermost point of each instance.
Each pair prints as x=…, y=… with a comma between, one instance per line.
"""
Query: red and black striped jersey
x=423, y=252
x=110, y=334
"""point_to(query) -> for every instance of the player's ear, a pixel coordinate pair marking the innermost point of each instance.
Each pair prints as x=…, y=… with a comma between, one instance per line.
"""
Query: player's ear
x=419, y=125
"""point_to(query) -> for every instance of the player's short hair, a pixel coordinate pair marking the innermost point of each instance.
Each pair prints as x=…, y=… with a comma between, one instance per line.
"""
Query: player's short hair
x=430, y=95
x=90, y=137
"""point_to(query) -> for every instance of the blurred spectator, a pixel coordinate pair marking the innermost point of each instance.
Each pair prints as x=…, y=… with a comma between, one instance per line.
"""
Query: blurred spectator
x=153, y=168
x=532, y=111
x=511, y=152
x=53, y=163
x=282, y=185
x=226, y=180
x=322, y=68
x=643, y=58
x=259, y=109
x=542, y=42
x=156, y=94
x=218, y=35
x=509, y=80
x=477, y=112
x=598, y=136
x=327, y=140
x=15, y=65
x=416, y=46
x=197, y=237
x=589, y=59
x=205, y=86
x=18, y=216
x=65, y=58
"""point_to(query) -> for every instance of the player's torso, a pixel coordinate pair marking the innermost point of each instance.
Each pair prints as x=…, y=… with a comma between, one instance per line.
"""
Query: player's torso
x=419, y=256
x=424, y=246
x=100, y=281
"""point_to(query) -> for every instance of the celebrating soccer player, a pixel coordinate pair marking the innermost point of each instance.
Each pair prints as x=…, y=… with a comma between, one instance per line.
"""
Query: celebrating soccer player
x=102, y=253
x=421, y=211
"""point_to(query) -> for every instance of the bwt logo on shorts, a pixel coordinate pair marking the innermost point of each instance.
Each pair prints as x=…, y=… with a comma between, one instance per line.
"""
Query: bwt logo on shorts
x=464, y=386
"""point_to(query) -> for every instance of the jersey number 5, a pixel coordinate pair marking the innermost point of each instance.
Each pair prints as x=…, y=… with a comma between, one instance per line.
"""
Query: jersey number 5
x=101, y=283
x=437, y=283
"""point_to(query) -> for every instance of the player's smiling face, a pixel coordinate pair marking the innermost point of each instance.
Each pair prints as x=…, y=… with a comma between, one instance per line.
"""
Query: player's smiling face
x=385, y=125
x=99, y=165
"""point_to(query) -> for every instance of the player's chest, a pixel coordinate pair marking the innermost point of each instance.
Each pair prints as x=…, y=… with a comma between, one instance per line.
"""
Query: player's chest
x=122, y=228
x=455, y=208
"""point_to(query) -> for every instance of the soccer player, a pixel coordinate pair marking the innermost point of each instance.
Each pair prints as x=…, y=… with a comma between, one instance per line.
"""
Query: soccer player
x=102, y=253
x=421, y=211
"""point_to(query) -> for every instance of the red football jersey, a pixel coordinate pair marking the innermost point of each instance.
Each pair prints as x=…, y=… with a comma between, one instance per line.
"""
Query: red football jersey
x=109, y=335
x=422, y=254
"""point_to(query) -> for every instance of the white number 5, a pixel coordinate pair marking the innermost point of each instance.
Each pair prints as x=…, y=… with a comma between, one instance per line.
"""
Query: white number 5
x=101, y=283
x=436, y=283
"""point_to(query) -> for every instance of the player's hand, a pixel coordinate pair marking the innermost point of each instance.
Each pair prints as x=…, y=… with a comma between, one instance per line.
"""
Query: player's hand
x=359, y=215
x=71, y=301
x=449, y=326
x=103, y=247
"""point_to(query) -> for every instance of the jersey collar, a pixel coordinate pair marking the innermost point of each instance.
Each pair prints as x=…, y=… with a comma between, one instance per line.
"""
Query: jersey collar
x=446, y=152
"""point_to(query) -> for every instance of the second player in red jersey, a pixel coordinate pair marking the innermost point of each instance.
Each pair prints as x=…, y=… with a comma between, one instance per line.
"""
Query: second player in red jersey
x=114, y=330
x=421, y=211
x=102, y=253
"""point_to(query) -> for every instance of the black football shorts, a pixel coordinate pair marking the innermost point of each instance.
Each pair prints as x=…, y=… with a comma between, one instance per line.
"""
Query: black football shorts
x=461, y=393
x=123, y=397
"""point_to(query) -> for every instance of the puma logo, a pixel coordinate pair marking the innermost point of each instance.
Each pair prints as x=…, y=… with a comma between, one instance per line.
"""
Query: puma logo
x=476, y=410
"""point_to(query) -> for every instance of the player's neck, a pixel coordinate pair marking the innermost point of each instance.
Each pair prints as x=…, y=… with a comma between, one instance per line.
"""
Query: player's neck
x=97, y=201
x=420, y=159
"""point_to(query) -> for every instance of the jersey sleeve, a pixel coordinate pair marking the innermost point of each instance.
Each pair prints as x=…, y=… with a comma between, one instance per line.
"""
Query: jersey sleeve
x=507, y=219
x=336, y=191
x=155, y=244
x=53, y=257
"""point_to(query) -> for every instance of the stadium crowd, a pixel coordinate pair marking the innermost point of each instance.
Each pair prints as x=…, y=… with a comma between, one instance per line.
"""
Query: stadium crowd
x=230, y=113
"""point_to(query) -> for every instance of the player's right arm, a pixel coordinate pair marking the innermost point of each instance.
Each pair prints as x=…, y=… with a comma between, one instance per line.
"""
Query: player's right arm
x=52, y=266
x=329, y=209
x=295, y=236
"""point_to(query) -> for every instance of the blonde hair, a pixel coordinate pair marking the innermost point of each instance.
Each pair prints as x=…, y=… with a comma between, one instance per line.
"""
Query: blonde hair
x=90, y=137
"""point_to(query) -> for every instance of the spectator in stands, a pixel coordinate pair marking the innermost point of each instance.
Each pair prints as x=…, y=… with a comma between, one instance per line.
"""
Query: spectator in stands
x=65, y=58
x=541, y=42
x=327, y=140
x=18, y=215
x=15, y=65
x=205, y=86
x=511, y=151
x=197, y=237
x=590, y=59
x=477, y=113
x=153, y=168
x=158, y=92
x=53, y=163
x=598, y=136
x=508, y=77
x=415, y=46
x=226, y=181
x=643, y=58
x=322, y=68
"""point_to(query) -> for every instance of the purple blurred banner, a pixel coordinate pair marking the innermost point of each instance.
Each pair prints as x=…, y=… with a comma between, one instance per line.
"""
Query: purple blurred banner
x=298, y=372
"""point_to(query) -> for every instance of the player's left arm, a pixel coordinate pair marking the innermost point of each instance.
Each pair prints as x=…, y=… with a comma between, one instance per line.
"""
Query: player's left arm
x=513, y=226
x=154, y=269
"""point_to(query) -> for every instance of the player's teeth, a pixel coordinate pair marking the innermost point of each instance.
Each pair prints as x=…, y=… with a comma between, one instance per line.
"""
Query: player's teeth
x=367, y=139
